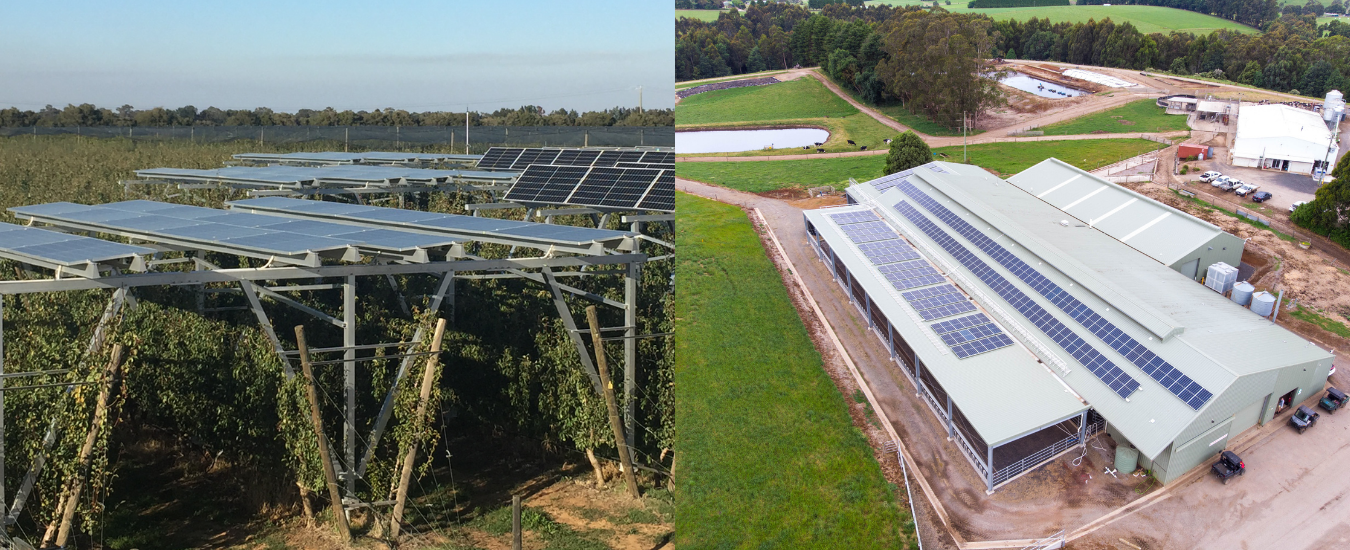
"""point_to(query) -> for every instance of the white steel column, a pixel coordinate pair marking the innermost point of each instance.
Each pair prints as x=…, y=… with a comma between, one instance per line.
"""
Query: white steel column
x=630, y=292
x=349, y=383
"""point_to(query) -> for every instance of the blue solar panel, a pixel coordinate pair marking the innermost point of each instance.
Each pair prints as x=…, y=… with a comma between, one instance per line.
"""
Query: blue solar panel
x=922, y=293
x=860, y=216
x=868, y=232
x=888, y=251
x=1107, y=372
x=970, y=334
x=946, y=311
x=960, y=323
x=886, y=182
x=412, y=219
x=937, y=301
x=982, y=345
x=1160, y=370
x=62, y=248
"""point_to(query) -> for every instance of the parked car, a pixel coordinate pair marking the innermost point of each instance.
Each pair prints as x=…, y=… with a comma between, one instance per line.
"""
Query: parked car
x=1210, y=175
x=1334, y=399
x=1260, y=196
x=1231, y=185
x=1219, y=181
x=1303, y=418
x=1246, y=188
x=1229, y=465
x=1294, y=206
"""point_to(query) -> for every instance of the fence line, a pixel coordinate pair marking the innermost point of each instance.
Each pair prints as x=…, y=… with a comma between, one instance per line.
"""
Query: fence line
x=480, y=137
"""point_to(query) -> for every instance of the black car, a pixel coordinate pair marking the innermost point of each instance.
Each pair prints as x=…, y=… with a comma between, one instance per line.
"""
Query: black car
x=1260, y=196
x=1229, y=465
x=1303, y=418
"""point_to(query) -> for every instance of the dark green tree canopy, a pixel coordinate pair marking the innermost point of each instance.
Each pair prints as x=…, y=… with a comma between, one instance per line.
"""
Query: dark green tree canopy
x=907, y=151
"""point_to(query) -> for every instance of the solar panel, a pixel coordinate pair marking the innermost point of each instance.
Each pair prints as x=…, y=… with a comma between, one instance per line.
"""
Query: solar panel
x=946, y=311
x=858, y=216
x=651, y=165
x=618, y=188
x=1101, y=367
x=1158, y=369
x=868, y=231
x=982, y=345
x=964, y=335
x=576, y=157
x=886, y=182
x=888, y=252
x=658, y=157
x=928, y=292
x=467, y=226
x=959, y=323
x=499, y=157
x=150, y=220
x=937, y=301
x=21, y=243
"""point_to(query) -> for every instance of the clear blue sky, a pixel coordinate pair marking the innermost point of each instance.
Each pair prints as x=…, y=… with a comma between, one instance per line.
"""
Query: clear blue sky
x=414, y=55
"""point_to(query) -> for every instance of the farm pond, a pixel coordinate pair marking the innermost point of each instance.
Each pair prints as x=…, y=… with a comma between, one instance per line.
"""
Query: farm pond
x=1039, y=87
x=732, y=141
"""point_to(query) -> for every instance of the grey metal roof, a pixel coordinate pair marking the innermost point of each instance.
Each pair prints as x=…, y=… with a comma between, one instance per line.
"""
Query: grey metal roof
x=354, y=158
x=1188, y=325
x=1160, y=231
x=1004, y=393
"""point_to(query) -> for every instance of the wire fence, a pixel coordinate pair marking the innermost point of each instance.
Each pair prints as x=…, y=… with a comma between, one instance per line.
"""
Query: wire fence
x=479, y=138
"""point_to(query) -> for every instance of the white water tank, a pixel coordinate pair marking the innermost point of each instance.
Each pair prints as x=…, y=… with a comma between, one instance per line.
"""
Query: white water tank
x=1220, y=277
x=1263, y=303
x=1334, y=103
x=1242, y=293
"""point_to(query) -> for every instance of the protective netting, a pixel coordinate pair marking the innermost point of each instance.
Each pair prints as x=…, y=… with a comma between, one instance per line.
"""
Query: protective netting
x=480, y=137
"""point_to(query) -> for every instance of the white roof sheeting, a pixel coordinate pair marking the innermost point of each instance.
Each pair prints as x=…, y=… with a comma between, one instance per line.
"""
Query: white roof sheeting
x=1281, y=132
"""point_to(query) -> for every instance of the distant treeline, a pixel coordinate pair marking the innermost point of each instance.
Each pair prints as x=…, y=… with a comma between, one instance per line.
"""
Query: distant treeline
x=1016, y=3
x=1248, y=12
x=874, y=51
x=126, y=115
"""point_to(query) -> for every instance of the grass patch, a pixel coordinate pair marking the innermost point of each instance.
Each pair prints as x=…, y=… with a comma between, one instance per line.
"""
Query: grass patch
x=1325, y=323
x=701, y=15
x=1138, y=116
x=794, y=99
x=1005, y=158
x=902, y=114
x=556, y=535
x=1206, y=205
x=769, y=456
x=1148, y=19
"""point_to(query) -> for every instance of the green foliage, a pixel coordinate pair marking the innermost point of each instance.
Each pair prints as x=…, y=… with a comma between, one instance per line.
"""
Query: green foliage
x=794, y=99
x=907, y=151
x=1002, y=158
x=937, y=65
x=1134, y=117
x=1327, y=213
x=1015, y=3
x=1328, y=324
x=769, y=456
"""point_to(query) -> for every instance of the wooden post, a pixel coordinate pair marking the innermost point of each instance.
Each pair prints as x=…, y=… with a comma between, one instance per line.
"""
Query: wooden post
x=607, y=387
x=428, y=373
x=304, y=503
x=339, y=513
x=87, y=451
x=515, y=522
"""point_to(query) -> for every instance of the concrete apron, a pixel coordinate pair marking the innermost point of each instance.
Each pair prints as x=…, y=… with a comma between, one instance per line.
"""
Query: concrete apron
x=1239, y=445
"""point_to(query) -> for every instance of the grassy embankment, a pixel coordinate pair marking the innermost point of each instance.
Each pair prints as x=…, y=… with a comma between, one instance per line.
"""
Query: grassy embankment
x=701, y=15
x=769, y=457
x=746, y=76
x=1002, y=158
x=803, y=102
x=1138, y=116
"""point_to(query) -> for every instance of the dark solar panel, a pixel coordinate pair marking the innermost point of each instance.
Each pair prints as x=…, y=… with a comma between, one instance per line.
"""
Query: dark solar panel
x=662, y=195
x=608, y=158
x=920, y=294
x=576, y=157
x=499, y=157
x=937, y=301
x=964, y=335
x=658, y=157
x=1160, y=370
x=886, y=182
x=982, y=345
x=534, y=156
x=960, y=323
x=859, y=216
x=1101, y=367
x=619, y=188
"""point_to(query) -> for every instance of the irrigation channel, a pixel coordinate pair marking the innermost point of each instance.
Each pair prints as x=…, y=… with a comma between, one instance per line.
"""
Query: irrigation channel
x=732, y=141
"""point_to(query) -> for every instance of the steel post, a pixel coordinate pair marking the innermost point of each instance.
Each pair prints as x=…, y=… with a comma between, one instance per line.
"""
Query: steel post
x=570, y=324
x=630, y=299
x=349, y=382
x=989, y=471
x=2, y=407
x=950, y=431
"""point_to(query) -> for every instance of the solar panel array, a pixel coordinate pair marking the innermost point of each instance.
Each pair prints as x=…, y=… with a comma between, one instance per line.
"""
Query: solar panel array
x=866, y=232
x=1156, y=367
x=519, y=158
x=959, y=323
x=909, y=275
x=621, y=188
x=946, y=311
x=416, y=219
x=888, y=252
x=856, y=216
x=1104, y=369
x=62, y=248
x=264, y=234
x=928, y=292
x=886, y=182
x=971, y=335
x=652, y=165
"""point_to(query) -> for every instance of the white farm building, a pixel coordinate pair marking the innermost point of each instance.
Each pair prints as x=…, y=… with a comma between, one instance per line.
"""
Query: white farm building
x=1280, y=137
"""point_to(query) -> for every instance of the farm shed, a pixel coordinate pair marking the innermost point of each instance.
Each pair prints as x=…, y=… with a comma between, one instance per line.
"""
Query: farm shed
x=1280, y=137
x=1032, y=312
x=1188, y=150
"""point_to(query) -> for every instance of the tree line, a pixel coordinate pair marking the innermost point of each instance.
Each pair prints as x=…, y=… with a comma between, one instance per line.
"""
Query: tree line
x=916, y=55
x=1255, y=13
x=528, y=115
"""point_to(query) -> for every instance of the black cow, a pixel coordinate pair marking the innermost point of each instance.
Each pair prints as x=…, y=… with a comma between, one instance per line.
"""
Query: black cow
x=888, y=141
x=863, y=148
x=820, y=150
x=850, y=142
